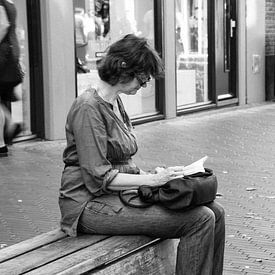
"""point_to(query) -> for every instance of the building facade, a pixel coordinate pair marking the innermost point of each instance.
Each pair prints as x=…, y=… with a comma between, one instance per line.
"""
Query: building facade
x=270, y=49
x=213, y=50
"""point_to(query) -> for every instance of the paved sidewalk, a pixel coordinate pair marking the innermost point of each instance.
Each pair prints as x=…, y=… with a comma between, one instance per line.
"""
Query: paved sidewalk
x=239, y=142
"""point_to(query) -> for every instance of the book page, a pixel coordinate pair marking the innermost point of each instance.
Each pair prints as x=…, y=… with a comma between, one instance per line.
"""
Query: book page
x=195, y=167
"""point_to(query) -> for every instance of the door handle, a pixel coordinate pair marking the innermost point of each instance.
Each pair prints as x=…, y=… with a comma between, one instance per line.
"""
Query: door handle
x=232, y=26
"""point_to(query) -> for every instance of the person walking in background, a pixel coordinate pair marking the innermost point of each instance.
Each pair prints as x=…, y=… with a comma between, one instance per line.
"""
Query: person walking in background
x=98, y=164
x=80, y=37
x=10, y=73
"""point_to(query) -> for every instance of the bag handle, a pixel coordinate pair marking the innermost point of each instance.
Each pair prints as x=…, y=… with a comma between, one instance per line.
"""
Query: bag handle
x=133, y=195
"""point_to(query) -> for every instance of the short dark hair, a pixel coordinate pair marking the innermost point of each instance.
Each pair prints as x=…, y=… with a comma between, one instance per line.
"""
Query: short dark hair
x=127, y=57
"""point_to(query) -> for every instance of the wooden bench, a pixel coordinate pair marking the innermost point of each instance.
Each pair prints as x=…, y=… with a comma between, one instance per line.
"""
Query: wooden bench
x=56, y=253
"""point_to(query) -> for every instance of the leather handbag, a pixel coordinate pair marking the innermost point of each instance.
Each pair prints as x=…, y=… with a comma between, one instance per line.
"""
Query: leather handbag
x=177, y=194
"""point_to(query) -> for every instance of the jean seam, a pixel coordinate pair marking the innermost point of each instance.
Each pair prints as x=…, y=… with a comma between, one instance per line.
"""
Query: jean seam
x=197, y=253
x=87, y=227
x=112, y=212
x=193, y=227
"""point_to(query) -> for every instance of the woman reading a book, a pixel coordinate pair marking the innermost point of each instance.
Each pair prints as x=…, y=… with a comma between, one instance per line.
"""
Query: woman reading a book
x=98, y=163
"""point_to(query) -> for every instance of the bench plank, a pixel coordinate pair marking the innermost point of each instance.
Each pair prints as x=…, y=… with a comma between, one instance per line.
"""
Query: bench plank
x=94, y=256
x=159, y=259
x=48, y=253
x=30, y=244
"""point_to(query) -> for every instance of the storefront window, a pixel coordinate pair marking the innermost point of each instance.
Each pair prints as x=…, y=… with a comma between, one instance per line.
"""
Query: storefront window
x=20, y=109
x=98, y=23
x=191, y=52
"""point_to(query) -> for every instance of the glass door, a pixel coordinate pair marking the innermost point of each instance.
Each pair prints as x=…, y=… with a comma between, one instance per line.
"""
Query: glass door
x=205, y=51
x=20, y=109
x=98, y=23
x=191, y=35
x=225, y=39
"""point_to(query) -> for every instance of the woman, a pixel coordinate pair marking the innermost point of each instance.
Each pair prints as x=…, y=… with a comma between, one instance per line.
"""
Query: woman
x=100, y=144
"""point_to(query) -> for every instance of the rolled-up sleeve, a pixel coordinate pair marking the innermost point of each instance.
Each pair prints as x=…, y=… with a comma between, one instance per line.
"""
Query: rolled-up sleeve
x=90, y=136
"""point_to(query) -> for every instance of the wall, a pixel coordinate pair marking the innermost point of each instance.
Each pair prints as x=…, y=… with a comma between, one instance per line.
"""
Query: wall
x=169, y=59
x=270, y=27
x=270, y=49
x=58, y=64
x=241, y=52
x=255, y=56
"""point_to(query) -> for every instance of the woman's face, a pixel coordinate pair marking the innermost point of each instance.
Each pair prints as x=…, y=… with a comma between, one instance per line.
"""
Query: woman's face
x=133, y=86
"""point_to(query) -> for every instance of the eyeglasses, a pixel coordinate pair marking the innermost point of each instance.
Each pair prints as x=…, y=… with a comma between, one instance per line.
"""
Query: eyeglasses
x=142, y=79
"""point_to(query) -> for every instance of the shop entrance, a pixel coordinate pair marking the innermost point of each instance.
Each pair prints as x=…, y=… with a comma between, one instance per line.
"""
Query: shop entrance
x=29, y=107
x=225, y=49
x=205, y=53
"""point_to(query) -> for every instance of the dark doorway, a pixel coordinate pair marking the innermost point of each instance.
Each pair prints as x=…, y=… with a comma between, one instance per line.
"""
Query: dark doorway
x=225, y=49
x=36, y=72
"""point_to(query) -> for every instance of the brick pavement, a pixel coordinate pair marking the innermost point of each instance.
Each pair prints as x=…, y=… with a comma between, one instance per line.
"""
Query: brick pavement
x=239, y=142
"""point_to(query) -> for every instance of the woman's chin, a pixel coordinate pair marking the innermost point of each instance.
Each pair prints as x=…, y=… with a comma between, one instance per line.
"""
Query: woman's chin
x=133, y=92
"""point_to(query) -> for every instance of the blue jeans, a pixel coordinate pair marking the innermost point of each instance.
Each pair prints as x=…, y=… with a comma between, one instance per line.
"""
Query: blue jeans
x=201, y=230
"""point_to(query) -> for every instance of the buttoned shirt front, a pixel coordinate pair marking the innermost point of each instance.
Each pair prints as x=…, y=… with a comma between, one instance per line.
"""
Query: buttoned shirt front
x=99, y=145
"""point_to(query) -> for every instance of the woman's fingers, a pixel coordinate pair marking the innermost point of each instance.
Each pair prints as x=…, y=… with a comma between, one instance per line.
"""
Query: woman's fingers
x=173, y=169
x=159, y=169
x=176, y=168
x=177, y=173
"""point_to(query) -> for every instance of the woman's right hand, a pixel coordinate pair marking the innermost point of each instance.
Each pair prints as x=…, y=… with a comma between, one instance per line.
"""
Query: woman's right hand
x=163, y=175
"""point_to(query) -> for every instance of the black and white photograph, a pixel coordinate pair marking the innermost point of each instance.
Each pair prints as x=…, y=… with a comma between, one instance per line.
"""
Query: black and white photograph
x=137, y=137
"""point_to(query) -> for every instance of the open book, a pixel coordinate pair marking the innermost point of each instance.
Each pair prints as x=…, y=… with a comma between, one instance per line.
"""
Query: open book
x=195, y=167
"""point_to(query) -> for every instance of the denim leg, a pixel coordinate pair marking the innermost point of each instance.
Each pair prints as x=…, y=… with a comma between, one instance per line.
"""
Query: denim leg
x=219, y=241
x=196, y=247
x=195, y=228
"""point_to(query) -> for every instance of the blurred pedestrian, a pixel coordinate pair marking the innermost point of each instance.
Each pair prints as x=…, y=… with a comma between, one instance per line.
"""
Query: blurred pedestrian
x=10, y=73
x=80, y=37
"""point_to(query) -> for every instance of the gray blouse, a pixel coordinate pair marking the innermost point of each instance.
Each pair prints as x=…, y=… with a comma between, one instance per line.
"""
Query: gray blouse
x=99, y=145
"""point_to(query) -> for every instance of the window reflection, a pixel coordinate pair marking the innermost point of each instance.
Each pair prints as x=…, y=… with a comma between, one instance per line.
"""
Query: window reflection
x=191, y=51
x=98, y=23
x=20, y=110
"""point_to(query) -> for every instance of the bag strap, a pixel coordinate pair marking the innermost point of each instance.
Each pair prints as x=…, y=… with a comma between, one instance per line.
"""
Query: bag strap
x=127, y=196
